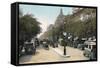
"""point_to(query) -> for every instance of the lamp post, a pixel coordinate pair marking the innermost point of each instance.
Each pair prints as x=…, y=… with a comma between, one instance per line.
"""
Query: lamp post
x=64, y=38
x=64, y=41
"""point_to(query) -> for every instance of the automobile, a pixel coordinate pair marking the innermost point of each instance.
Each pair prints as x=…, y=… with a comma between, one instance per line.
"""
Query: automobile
x=29, y=48
x=21, y=51
x=90, y=50
x=45, y=44
x=81, y=44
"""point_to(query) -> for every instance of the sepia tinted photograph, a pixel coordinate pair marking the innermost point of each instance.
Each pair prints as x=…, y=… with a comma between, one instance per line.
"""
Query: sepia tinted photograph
x=53, y=33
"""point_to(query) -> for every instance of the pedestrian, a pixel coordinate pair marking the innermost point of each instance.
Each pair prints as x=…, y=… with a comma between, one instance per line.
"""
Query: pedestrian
x=36, y=42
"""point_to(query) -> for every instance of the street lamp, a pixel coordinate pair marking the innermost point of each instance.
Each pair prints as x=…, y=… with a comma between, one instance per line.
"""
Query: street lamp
x=64, y=39
x=64, y=33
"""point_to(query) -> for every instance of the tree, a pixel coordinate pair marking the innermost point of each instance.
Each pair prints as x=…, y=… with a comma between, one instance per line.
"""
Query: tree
x=28, y=28
x=86, y=28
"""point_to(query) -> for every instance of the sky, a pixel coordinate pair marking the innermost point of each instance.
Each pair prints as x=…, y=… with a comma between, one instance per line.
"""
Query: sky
x=46, y=15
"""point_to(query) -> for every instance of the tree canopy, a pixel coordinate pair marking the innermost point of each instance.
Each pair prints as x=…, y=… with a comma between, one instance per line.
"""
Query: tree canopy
x=28, y=28
x=75, y=26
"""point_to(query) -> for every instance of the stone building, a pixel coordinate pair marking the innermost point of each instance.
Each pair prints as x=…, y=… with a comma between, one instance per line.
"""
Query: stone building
x=60, y=19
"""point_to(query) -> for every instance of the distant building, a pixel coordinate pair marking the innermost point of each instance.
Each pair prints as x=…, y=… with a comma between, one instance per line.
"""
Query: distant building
x=50, y=27
x=60, y=19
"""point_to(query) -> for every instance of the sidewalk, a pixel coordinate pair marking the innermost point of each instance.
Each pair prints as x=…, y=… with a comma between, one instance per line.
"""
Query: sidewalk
x=60, y=52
